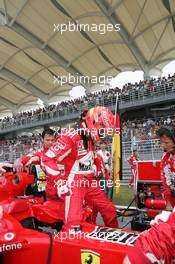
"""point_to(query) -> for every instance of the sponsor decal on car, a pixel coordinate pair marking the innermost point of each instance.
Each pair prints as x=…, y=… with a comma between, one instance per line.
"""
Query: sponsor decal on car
x=59, y=145
x=113, y=235
x=9, y=236
x=9, y=247
x=89, y=257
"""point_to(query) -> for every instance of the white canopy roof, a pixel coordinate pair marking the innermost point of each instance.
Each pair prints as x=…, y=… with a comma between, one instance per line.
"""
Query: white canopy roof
x=31, y=52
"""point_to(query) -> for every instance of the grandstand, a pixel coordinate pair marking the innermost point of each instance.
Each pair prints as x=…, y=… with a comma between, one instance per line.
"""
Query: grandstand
x=32, y=54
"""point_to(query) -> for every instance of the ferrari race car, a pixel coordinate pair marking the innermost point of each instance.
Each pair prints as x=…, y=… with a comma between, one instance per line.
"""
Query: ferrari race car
x=31, y=230
x=94, y=244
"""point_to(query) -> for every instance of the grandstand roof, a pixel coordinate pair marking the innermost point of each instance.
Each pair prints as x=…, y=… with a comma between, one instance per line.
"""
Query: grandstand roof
x=32, y=52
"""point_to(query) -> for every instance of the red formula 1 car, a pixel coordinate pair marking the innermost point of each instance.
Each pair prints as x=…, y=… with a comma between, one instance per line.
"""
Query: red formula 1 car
x=93, y=244
x=30, y=230
x=27, y=209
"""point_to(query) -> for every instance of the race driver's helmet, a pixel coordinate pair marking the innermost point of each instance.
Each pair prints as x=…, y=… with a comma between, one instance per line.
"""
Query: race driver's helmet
x=99, y=122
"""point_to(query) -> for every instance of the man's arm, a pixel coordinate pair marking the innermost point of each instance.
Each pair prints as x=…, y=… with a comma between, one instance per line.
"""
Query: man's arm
x=32, y=158
x=155, y=244
x=56, y=154
x=169, y=190
x=130, y=160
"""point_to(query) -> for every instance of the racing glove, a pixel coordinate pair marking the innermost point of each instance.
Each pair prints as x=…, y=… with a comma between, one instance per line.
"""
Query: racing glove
x=18, y=165
x=62, y=188
x=163, y=216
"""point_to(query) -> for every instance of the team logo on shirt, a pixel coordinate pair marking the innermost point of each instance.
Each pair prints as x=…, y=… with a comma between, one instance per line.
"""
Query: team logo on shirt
x=59, y=145
x=85, y=167
x=81, y=149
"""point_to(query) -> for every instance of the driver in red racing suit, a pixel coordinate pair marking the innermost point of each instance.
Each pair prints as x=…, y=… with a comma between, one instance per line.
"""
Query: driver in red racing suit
x=74, y=149
x=102, y=176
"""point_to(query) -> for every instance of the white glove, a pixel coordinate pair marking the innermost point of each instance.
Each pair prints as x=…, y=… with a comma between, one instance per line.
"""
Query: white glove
x=163, y=216
x=33, y=160
x=63, y=189
x=18, y=164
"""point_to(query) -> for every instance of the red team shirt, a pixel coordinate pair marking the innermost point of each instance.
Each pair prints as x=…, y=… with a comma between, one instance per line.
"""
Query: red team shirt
x=168, y=176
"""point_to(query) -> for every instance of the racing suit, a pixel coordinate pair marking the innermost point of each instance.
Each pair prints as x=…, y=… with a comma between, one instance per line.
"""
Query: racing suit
x=132, y=161
x=34, y=157
x=156, y=245
x=168, y=177
x=100, y=172
x=78, y=162
x=106, y=157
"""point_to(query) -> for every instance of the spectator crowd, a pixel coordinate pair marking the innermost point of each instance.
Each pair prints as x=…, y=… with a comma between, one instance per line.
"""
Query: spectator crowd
x=143, y=132
x=129, y=92
x=12, y=148
x=136, y=134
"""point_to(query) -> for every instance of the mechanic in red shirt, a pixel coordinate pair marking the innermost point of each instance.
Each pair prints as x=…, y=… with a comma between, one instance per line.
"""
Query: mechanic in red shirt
x=167, y=138
x=132, y=160
x=74, y=148
x=106, y=158
x=34, y=158
x=157, y=245
x=48, y=137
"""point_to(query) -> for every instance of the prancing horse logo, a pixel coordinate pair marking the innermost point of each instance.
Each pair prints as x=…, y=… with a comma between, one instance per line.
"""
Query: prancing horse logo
x=89, y=257
x=89, y=260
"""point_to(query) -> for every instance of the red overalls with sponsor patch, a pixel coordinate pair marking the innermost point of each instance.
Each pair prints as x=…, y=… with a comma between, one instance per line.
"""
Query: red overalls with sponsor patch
x=132, y=161
x=78, y=162
x=168, y=176
x=34, y=157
